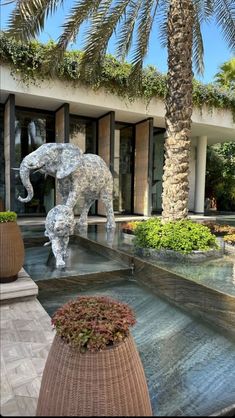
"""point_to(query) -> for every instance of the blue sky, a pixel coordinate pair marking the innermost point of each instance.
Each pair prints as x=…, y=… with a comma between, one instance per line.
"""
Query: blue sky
x=215, y=49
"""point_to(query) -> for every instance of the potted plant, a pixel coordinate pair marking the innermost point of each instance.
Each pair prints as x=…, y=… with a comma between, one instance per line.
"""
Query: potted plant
x=11, y=247
x=93, y=367
x=128, y=231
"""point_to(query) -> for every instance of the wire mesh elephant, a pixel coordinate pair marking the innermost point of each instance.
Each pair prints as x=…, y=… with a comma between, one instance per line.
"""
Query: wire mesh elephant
x=59, y=226
x=79, y=176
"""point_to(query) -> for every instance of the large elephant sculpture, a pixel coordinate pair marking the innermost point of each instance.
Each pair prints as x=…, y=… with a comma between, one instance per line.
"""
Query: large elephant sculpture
x=78, y=175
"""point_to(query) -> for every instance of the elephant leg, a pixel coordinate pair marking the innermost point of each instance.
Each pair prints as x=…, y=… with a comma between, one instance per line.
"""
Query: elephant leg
x=107, y=199
x=83, y=217
x=57, y=249
x=64, y=245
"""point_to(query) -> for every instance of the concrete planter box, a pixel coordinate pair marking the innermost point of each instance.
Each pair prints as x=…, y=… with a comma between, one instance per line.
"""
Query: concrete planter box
x=194, y=256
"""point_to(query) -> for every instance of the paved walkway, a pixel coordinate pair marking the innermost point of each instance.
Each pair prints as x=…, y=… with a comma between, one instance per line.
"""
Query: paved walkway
x=26, y=336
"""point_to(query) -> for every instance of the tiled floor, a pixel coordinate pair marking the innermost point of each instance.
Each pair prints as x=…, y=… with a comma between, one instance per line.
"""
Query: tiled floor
x=26, y=336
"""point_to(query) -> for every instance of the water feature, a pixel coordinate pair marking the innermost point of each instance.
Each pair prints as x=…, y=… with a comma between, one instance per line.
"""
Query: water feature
x=189, y=365
x=190, y=368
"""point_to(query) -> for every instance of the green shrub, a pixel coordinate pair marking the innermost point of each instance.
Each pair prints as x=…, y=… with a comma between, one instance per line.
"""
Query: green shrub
x=93, y=322
x=7, y=217
x=183, y=236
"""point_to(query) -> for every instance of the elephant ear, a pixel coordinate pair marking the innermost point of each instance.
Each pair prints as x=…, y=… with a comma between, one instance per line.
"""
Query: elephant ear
x=70, y=161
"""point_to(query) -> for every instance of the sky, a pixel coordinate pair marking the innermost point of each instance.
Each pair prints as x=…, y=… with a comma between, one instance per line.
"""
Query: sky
x=216, y=51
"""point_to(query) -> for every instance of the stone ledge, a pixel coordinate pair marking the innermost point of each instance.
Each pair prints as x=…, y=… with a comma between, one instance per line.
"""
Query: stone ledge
x=194, y=256
x=229, y=249
x=23, y=286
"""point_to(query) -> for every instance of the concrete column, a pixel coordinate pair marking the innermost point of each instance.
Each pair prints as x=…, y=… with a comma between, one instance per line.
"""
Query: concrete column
x=200, y=174
x=61, y=135
x=143, y=167
x=62, y=124
x=106, y=130
x=9, y=152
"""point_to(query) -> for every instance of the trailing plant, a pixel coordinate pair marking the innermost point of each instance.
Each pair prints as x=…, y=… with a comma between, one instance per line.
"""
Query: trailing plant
x=34, y=62
x=183, y=236
x=93, y=323
x=7, y=217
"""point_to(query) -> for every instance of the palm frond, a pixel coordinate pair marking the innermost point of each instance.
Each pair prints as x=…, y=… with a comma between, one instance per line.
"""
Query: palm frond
x=204, y=8
x=78, y=14
x=125, y=36
x=146, y=18
x=103, y=24
x=198, y=50
x=224, y=11
x=28, y=18
x=162, y=18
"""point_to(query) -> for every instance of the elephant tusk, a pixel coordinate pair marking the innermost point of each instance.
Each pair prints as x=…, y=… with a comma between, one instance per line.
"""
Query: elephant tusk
x=15, y=169
x=47, y=243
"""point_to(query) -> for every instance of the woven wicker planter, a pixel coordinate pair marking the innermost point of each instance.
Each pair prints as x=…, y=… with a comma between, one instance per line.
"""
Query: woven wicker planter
x=11, y=251
x=106, y=383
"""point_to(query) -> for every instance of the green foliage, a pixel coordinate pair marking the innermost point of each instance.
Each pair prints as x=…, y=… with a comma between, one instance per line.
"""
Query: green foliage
x=7, y=217
x=93, y=323
x=230, y=239
x=226, y=76
x=220, y=175
x=34, y=62
x=183, y=236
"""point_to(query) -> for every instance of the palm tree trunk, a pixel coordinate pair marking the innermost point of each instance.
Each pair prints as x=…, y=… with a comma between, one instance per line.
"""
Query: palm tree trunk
x=178, y=110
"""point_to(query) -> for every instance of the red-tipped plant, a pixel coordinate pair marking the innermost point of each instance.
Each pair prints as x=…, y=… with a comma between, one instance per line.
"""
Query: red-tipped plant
x=93, y=322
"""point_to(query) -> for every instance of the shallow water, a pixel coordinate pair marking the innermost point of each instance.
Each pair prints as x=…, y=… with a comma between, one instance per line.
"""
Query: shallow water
x=190, y=368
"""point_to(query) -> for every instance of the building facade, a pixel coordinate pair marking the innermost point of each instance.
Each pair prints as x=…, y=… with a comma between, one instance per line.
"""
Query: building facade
x=129, y=136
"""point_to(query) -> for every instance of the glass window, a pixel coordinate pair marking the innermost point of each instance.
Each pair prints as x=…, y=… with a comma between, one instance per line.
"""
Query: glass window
x=123, y=168
x=33, y=129
x=82, y=132
x=158, y=162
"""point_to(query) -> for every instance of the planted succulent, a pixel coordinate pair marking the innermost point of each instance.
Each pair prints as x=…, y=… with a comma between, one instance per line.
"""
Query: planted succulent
x=93, y=322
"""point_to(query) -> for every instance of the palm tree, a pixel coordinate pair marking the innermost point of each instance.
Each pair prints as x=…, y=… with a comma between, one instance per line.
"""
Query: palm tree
x=226, y=76
x=133, y=21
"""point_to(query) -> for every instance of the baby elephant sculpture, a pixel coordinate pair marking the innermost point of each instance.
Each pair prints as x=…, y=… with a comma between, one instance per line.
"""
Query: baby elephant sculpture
x=78, y=175
x=59, y=226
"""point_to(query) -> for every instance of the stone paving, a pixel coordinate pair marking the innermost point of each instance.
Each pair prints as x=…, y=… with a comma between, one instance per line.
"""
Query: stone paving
x=26, y=336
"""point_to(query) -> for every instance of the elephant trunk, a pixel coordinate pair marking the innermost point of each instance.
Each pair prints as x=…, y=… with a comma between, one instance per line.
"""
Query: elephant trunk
x=25, y=178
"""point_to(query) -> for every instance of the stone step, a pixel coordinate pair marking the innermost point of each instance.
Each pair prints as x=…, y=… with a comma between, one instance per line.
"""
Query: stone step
x=22, y=287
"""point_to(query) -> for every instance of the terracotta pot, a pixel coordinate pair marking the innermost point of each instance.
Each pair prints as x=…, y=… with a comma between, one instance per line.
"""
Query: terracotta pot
x=11, y=251
x=107, y=383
